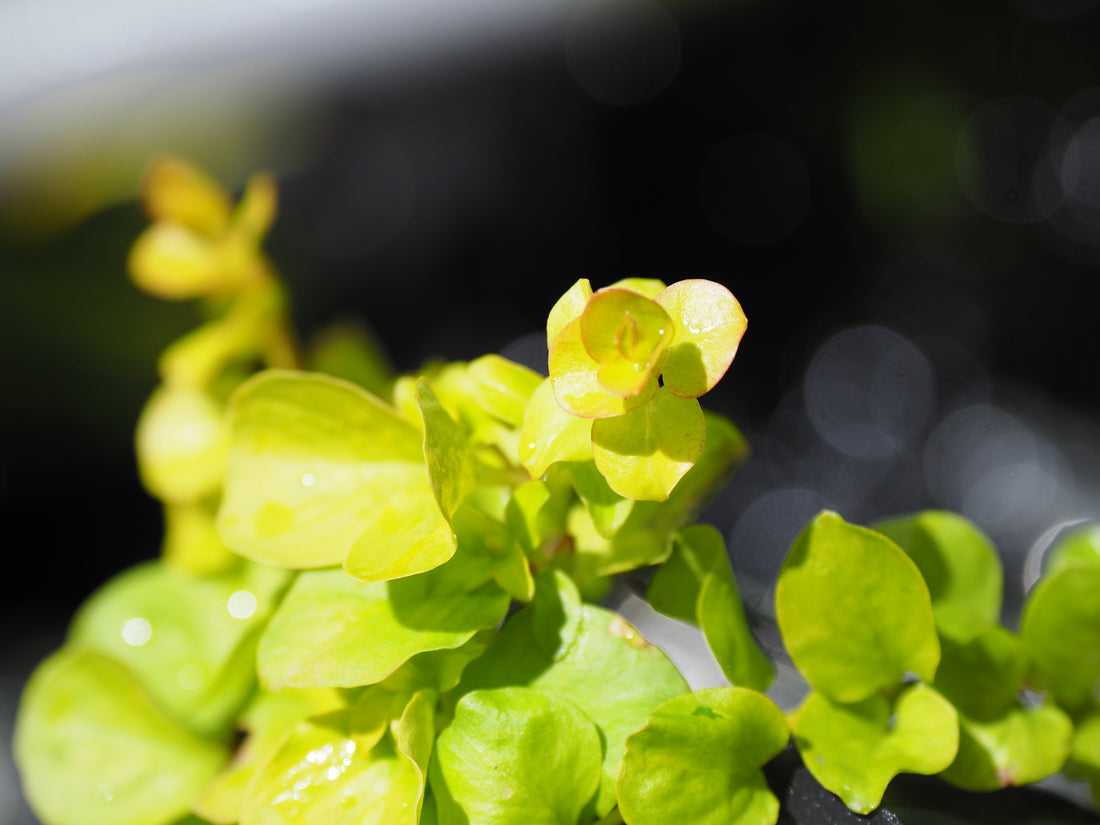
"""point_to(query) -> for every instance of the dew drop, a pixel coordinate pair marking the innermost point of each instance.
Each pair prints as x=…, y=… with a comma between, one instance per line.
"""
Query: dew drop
x=136, y=632
x=316, y=757
x=241, y=604
x=308, y=479
x=105, y=793
x=333, y=773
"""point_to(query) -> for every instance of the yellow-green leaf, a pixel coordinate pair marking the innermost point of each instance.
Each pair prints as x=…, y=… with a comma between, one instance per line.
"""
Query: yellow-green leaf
x=93, y=750
x=575, y=378
x=318, y=467
x=697, y=761
x=550, y=433
x=709, y=325
x=503, y=387
x=644, y=453
x=854, y=611
x=854, y=750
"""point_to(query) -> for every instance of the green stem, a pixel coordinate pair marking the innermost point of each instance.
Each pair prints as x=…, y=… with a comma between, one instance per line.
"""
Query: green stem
x=612, y=818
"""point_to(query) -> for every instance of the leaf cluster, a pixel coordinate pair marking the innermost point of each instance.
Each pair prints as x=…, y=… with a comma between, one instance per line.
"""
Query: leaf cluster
x=377, y=600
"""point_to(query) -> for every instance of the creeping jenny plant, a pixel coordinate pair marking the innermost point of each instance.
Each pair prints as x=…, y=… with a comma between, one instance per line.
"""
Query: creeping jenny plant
x=375, y=602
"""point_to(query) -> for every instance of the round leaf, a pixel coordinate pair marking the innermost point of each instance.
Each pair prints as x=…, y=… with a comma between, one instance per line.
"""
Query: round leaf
x=709, y=325
x=608, y=670
x=644, y=453
x=854, y=750
x=93, y=750
x=515, y=757
x=697, y=761
x=854, y=611
x=574, y=374
x=959, y=565
x=626, y=333
x=316, y=464
x=1060, y=627
x=189, y=639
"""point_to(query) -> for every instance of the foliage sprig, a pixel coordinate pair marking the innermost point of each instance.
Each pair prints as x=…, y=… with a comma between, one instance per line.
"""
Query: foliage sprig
x=377, y=600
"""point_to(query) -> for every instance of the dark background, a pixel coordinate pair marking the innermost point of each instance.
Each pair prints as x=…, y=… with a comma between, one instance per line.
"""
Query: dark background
x=904, y=197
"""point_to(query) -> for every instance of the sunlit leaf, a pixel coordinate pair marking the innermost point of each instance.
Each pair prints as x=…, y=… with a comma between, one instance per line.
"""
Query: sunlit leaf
x=266, y=721
x=609, y=671
x=503, y=387
x=854, y=750
x=724, y=449
x=450, y=464
x=93, y=750
x=332, y=630
x=959, y=565
x=567, y=309
x=627, y=334
x=854, y=611
x=709, y=325
x=322, y=773
x=515, y=757
x=644, y=453
x=1060, y=627
x=574, y=374
x=414, y=734
x=696, y=585
x=722, y=617
x=189, y=639
x=319, y=467
x=1021, y=746
x=697, y=761
x=182, y=444
x=550, y=433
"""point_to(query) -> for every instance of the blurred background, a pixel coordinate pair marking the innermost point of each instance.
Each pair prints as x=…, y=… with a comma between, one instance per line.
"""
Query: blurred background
x=904, y=197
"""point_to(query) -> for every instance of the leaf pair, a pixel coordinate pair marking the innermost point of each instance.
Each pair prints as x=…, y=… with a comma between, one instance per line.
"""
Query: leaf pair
x=1002, y=740
x=608, y=351
x=857, y=619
